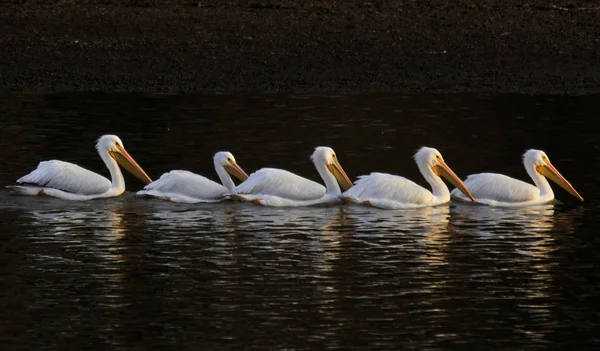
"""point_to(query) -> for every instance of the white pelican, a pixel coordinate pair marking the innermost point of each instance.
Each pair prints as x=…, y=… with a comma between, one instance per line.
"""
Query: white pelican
x=394, y=192
x=499, y=190
x=276, y=187
x=68, y=181
x=184, y=186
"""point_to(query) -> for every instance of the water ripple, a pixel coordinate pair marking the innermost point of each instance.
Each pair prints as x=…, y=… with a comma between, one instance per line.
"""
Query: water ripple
x=131, y=273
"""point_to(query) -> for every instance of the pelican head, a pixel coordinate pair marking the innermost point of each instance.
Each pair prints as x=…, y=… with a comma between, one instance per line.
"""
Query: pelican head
x=538, y=162
x=113, y=146
x=324, y=155
x=430, y=160
x=227, y=161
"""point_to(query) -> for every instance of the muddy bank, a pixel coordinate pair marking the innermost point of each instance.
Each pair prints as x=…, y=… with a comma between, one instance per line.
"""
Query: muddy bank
x=300, y=46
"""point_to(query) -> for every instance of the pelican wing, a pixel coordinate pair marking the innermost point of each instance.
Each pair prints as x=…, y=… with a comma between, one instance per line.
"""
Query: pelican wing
x=284, y=184
x=67, y=177
x=498, y=187
x=185, y=183
x=382, y=186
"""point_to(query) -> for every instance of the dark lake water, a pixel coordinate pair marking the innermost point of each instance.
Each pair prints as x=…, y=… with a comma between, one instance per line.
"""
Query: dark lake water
x=136, y=274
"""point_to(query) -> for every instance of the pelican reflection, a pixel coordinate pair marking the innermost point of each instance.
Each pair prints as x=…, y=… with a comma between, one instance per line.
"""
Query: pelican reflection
x=512, y=256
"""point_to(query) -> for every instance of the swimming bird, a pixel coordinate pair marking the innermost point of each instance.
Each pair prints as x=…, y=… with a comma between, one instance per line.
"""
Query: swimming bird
x=277, y=187
x=185, y=186
x=69, y=181
x=389, y=191
x=499, y=190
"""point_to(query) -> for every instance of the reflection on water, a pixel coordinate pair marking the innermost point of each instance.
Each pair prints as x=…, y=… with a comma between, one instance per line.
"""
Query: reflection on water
x=136, y=273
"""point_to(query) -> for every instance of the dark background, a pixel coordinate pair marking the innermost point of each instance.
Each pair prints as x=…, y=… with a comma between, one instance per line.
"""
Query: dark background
x=300, y=46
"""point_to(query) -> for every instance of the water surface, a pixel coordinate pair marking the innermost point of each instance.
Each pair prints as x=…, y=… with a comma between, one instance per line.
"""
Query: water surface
x=135, y=273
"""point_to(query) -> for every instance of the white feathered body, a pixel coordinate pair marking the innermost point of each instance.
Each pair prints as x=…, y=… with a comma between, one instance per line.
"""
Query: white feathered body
x=388, y=191
x=277, y=187
x=185, y=186
x=65, y=180
x=500, y=190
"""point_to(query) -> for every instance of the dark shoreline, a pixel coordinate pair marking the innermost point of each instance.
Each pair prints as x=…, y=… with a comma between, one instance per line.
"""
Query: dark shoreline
x=300, y=46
